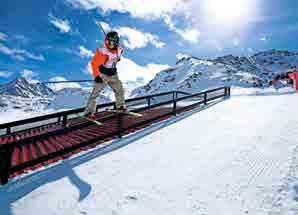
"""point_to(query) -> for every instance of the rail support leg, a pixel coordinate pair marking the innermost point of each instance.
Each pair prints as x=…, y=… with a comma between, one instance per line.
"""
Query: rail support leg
x=64, y=121
x=205, y=98
x=5, y=163
x=120, y=125
x=227, y=92
x=175, y=108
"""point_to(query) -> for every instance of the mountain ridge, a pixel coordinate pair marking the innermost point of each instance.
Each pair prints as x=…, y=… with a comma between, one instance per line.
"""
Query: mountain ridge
x=192, y=74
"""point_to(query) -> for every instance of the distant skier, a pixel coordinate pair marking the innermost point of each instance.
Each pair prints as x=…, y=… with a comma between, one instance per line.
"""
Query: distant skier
x=289, y=78
x=105, y=73
x=283, y=76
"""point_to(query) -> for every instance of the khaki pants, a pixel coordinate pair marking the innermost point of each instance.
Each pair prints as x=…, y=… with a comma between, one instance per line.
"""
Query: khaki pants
x=114, y=83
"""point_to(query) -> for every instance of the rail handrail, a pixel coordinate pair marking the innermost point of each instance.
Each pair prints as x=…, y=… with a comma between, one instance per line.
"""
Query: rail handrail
x=65, y=114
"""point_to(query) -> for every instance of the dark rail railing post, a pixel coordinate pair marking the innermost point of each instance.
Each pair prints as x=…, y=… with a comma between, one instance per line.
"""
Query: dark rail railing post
x=64, y=121
x=120, y=124
x=176, y=96
x=174, y=103
x=175, y=107
x=5, y=164
x=227, y=92
x=205, y=98
x=8, y=130
x=149, y=101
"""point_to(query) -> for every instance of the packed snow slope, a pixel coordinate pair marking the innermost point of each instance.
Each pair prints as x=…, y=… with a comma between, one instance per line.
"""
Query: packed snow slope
x=237, y=157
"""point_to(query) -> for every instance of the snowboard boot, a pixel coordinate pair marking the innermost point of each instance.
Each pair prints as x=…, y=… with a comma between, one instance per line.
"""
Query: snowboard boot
x=90, y=115
x=122, y=109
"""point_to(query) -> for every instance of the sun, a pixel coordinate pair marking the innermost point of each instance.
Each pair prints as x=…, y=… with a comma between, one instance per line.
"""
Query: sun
x=229, y=11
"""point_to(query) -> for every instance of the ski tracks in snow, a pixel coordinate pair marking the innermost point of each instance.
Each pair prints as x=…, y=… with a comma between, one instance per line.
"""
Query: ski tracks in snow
x=245, y=181
x=285, y=201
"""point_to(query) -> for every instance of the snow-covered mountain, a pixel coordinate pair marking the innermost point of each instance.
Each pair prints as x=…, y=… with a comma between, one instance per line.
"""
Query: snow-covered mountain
x=191, y=74
x=21, y=87
x=264, y=64
x=22, y=96
x=74, y=97
x=68, y=98
x=129, y=87
x=10, y=102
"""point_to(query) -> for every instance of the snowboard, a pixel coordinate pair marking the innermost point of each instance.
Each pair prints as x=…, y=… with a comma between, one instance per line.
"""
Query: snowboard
x=131, y=113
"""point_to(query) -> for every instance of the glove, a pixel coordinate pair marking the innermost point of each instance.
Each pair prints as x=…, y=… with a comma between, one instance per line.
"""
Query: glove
x=98, y=79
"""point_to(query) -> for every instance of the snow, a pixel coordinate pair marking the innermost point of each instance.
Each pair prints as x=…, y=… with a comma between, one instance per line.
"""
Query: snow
x=70, y=98
x=13, y=108
x=236, y=157
x=15, y=115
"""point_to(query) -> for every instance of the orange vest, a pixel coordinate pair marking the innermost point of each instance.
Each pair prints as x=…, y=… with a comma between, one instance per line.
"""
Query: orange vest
x=98, y=59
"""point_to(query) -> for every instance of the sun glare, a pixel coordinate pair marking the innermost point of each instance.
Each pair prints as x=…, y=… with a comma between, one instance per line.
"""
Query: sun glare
x=229, y=11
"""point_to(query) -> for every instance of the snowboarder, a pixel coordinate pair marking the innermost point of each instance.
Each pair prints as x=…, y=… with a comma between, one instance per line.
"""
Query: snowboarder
x=105, y=73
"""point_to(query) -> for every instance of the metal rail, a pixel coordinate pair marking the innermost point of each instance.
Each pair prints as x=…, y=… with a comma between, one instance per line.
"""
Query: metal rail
x=6, y=150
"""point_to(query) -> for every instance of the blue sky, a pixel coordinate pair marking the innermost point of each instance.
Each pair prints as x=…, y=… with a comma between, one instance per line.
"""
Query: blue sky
x=55, y=39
